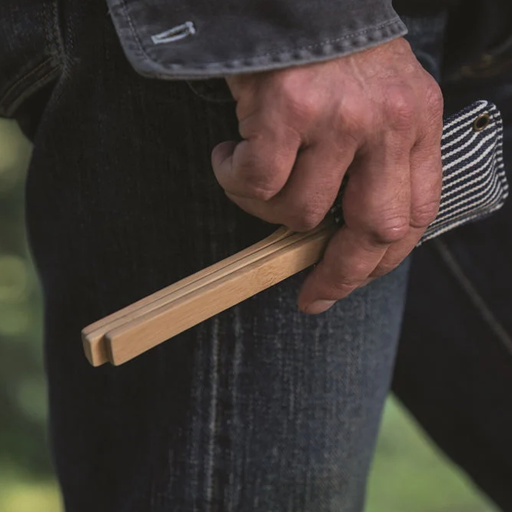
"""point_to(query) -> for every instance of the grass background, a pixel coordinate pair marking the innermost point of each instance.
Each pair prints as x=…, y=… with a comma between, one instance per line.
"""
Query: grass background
x=409, y=474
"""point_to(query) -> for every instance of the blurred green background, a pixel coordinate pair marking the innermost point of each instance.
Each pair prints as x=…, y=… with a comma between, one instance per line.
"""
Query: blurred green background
x=408, y=474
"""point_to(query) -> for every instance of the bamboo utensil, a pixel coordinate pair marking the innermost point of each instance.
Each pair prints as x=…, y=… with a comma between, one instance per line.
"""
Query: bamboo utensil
x=131, y=331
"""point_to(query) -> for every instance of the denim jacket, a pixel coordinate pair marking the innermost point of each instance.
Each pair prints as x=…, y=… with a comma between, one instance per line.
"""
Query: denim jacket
x=186, y=39
x=208, y=38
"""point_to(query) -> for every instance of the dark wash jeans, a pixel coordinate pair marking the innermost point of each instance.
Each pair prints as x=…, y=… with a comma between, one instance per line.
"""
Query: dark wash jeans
x=261, y=408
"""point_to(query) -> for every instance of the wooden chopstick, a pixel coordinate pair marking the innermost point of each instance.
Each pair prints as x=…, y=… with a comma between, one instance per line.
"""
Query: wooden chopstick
x=93, y=336
x=245, y=278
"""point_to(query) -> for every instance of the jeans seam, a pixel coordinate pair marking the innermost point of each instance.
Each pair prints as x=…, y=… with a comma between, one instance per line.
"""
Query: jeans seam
x=55, y=39
x=24, y=77
x=9, y=105
x=474, y=296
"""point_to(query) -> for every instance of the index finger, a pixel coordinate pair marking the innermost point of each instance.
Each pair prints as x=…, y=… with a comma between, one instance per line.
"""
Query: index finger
x=259, y=166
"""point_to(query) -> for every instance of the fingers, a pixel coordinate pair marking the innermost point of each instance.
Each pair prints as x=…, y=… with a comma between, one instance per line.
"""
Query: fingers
x=386, y=212
x=298, y=126
x=314, y=184
x=426, y=184
x=258, y=167
x=347, y=261
x=376, y=207
x=310, y=190
x=426, y=167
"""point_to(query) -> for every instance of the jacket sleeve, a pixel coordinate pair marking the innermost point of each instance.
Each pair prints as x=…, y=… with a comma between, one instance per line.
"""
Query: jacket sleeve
x=187, y=39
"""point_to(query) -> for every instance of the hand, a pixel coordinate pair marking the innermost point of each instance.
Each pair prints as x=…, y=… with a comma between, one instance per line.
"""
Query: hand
x=375, y=116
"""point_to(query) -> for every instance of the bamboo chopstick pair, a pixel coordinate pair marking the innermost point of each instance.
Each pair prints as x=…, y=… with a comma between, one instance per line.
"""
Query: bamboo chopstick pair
x=142, y=325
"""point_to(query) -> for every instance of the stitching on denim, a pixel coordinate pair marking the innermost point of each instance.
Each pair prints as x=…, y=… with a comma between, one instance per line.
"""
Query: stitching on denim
x=135, y=35
x=34, y=86
x=25, y=77
x=134, y=32
x=57, y=36
x=394, y=21
x=174, y=34
x=475, y=297
x=52, y=31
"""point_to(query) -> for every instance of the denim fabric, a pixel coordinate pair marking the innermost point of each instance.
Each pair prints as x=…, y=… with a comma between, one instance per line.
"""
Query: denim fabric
x=454, y=365
x=261, y=408
x=190, y=39
x=30, y=50
x=258, y=409
x=194, y=39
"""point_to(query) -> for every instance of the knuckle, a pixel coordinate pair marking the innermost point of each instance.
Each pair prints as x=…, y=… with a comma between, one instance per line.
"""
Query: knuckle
x=399, y=108
x=287, y=84
x=259, y=186
x=389, y=229
x=302, y=108
x=258, y=182
x=340, y=285
x=354, y=117
x=381, y=226
x=343, y=282
x=424, y=214
x=299, y=106
x=307, y=218
x=341, y=289
x=261, y=193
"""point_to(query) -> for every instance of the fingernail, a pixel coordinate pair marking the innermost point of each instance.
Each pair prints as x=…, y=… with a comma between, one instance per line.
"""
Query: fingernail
x=319, y=306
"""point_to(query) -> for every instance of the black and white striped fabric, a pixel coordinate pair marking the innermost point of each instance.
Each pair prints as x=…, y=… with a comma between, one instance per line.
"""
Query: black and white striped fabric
x=474, y=180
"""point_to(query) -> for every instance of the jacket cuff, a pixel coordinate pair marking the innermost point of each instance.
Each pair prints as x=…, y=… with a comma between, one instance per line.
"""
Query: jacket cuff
x=191, y=39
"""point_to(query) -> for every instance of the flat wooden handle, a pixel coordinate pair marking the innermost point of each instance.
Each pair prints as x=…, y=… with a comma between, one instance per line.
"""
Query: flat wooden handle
x=143, y=325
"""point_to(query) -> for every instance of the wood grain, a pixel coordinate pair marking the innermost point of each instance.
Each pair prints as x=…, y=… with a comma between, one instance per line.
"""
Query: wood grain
x=245, y=278
x=93, y=335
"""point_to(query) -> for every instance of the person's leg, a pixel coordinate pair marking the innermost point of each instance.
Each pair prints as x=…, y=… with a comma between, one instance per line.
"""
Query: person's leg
x=259, y=409
x=454, y=364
